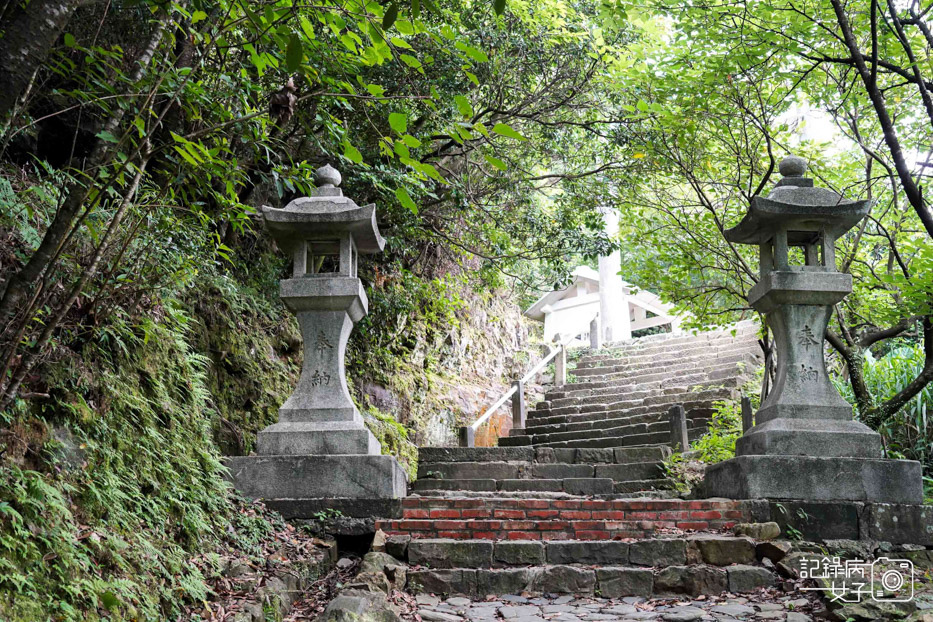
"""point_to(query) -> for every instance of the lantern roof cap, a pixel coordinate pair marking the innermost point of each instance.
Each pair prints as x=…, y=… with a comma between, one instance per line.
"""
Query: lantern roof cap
x=796, y=205
x=325, y=212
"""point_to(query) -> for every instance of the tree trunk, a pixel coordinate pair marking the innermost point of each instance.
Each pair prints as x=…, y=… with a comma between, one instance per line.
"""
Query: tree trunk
x=27, y=37
x=19, y=283
x=854, y=361
x=8, y=389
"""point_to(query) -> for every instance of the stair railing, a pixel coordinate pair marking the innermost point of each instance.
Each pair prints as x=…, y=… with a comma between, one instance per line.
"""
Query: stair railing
x=467, y=434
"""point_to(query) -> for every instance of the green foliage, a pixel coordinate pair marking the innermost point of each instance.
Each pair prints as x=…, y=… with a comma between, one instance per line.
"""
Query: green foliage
x=725, y=427
x=909, y=434
x=132, y=489
x=254, y=349
x=409, y=319
x=767, y=88
x=488, y=139
x=716, y=444
x=675, y=469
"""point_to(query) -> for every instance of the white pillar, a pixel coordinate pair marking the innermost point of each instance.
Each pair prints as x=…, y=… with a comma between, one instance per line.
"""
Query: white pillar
x=616, y=323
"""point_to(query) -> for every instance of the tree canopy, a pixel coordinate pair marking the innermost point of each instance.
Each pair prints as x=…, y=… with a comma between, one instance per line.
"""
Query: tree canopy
x=138, y=138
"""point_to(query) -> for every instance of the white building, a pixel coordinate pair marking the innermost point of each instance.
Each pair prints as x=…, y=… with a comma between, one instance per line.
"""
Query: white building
x=616, y=305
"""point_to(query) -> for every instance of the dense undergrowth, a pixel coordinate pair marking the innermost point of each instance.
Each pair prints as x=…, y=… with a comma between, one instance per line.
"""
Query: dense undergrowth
x=118, y=482
x=909, y=433
x=110, y=484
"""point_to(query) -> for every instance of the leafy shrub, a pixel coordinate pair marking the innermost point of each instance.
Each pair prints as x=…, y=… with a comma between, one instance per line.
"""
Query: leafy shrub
x=725, y=428
x=909, y=433
x=716, y=445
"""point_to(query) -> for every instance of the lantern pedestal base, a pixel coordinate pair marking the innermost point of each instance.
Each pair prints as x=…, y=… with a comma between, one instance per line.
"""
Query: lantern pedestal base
x=816, y=479
x=298, y=480
x=313, y=439
x=826, y=438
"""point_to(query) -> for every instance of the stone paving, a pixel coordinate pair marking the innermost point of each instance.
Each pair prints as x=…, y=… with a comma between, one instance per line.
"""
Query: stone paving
x=766, y=605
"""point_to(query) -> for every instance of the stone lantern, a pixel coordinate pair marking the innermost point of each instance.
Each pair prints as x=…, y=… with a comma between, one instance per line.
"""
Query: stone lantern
x=320, y=454
x=805, y=444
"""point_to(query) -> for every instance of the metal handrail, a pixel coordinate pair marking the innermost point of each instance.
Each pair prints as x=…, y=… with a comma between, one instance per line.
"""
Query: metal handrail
x=486, y=415
x=547, y=359
x=467, y=433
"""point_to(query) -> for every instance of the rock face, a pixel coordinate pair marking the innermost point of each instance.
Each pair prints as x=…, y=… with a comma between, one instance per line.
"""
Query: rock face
x=805, y=444
x=456, y=372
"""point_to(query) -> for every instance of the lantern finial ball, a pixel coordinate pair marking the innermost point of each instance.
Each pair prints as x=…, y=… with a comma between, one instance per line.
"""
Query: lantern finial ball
x=327, y=177
x=793, y=166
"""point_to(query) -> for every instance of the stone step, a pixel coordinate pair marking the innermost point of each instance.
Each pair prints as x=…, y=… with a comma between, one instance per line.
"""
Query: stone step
x=695, y=422
x=622, y=400
x=643, y=485
x=635, y=508
x=571, y=485
x=462, y=504
x=643, y=347
x=655, y=373
x=619, y=455
x=604, y=581
x=646, y=413
x=660, y=493
x=447, y=471
x=619, y=397
x=669, y=342
x=572, y=400
x=588, y=387
x=664, y=347
x=699, y=358
x=566, y=423
x=639, y=414
x=632, y=440
x=429, y=455
x=697, y=414
x=683, y=372
x=708, y=548
x=582, y=389
x=563, y=519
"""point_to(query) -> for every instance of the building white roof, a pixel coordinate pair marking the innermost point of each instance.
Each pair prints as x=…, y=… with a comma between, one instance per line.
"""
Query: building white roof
x=586, y=276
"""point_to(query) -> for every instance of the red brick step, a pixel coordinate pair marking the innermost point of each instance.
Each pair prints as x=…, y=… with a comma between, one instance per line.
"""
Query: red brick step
x=561, y=519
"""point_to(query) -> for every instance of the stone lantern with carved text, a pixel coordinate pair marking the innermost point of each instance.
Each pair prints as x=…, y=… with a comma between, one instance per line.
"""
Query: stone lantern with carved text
x=320, y=451
x=805, y=444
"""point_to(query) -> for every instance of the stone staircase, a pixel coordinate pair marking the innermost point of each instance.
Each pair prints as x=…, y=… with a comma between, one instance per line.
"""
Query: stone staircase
x=564, y=517
x=608, y=433
x=622, y=394
x=582, y=486
x=532, y=470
